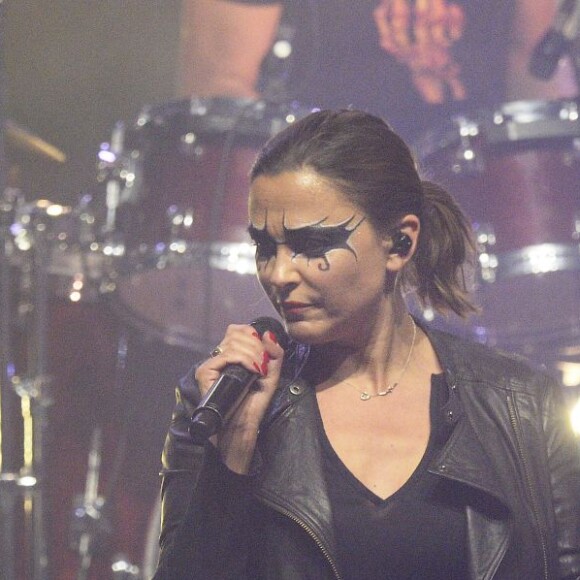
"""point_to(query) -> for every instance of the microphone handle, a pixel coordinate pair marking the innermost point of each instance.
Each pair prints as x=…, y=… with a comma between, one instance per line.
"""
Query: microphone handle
x=230, y=388
x=208, y=417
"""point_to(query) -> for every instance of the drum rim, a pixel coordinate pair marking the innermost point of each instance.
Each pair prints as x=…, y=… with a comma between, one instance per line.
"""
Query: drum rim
x=512, y=122
x=237, y=257
x=248, y=117
x=523, y=261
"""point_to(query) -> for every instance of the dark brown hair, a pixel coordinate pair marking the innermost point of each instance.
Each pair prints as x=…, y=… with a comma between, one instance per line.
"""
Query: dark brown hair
x=367, y=161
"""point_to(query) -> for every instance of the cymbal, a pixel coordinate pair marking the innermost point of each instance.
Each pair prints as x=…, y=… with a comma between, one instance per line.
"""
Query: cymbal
x=24, y=139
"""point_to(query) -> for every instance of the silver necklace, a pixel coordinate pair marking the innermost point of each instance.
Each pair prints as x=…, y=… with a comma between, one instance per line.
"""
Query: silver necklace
x=365, y=395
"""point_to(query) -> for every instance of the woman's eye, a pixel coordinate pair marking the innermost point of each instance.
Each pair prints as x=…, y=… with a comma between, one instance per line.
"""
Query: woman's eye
x=310, y=249
x=265, y=249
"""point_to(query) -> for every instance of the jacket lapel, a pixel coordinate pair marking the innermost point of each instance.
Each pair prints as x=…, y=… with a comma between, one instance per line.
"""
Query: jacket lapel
x=465, y=459
x=292, y=481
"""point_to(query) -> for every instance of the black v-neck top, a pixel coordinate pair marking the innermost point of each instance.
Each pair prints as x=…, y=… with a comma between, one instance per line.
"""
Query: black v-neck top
x=419, y=532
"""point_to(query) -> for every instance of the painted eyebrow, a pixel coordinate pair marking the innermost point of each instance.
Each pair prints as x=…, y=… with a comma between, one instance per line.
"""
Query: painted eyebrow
x=260, y=235
x=336, y=230
x=328, y=237
x=316, y=228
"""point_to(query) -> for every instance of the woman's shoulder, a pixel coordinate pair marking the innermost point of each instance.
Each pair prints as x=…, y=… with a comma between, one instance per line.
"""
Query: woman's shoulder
x=470, y=360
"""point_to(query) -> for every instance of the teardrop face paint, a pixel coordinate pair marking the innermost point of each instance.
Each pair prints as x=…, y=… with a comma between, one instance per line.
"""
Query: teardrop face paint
x=318, y=257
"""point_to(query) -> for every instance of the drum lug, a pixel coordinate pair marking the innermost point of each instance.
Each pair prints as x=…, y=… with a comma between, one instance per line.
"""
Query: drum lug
x=467, y=159
x=190, y=146
x=119, y=171
x=576, y=231
x=180, y=221
x=488, y=261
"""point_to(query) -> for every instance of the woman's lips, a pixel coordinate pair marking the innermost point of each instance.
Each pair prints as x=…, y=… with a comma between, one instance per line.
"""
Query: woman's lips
x=292, y=308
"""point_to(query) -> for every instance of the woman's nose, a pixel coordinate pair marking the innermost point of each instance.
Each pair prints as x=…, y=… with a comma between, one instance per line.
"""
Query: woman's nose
x=281, y=268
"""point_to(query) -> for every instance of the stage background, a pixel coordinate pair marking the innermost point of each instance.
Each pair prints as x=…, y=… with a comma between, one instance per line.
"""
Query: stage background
x=73, y=69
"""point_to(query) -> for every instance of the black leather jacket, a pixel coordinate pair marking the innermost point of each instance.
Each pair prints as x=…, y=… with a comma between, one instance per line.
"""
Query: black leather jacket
x=511, y=450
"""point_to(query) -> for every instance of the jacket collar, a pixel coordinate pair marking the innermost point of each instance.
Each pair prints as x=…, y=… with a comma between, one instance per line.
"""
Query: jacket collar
x=464, y=457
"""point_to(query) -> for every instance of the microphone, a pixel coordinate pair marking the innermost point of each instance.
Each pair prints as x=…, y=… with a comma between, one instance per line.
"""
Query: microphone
x=232, y=384
x=557, y=40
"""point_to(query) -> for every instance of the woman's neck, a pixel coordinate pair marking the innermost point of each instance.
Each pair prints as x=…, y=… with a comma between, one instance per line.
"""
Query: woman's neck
x=385, y=352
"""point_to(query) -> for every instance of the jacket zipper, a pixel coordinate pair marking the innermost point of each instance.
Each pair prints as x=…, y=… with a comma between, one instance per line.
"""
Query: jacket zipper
x=310, y=532
x=514, y=422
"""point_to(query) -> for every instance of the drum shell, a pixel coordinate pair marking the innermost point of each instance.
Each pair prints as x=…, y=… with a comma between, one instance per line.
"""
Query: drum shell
x=189, y=269
x=178, y=177
x=527, y=191
x=516, y=173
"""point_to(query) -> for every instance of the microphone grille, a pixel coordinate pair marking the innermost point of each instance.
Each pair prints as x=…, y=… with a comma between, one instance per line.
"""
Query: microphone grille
x=267, y=323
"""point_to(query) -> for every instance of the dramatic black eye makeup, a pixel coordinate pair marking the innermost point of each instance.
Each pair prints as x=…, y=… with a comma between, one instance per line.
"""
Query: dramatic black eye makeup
x=264, y=242
x=313, y=241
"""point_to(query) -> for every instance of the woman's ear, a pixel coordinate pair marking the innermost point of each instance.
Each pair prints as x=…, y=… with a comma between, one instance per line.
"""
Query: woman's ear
x=402, y=243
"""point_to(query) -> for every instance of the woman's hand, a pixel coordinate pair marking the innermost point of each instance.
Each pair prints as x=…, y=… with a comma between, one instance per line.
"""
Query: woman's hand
x=263, y=356
x=420, y=35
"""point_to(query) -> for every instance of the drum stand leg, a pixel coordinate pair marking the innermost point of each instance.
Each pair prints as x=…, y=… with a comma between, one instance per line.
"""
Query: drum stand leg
x=29, y=483
x=34, y=393
x=9, y=461
x=90, y=526
x=21, y=477
x=9, y=494
x=32, y=478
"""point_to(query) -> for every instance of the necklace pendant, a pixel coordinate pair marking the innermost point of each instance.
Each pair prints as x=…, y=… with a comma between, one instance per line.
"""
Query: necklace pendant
x=390, y=389
x=364, y=396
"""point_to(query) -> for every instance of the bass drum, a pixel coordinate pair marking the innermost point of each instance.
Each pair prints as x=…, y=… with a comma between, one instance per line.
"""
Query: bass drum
x=516, y=172
x=188, y=267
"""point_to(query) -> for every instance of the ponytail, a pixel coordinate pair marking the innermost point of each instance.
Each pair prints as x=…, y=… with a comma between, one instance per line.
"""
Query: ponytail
x=446, y=254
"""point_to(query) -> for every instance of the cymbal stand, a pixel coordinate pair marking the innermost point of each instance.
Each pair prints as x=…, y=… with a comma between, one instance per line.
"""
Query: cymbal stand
x=34, y=391
x=90, y=527
x=9, y=461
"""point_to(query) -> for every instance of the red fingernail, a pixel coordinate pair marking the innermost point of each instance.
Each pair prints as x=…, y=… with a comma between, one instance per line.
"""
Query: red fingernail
x=258, y=369
x=265, y=358
x=264, y=369
x=272, y=337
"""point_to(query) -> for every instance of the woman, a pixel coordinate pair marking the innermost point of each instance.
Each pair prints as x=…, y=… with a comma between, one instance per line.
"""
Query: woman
x=373, y=447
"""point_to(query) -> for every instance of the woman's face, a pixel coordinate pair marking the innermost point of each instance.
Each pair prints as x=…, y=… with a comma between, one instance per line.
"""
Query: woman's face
x=319, y=259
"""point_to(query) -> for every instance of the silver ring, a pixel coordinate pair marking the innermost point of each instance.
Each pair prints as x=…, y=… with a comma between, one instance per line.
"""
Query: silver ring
x=216, y=351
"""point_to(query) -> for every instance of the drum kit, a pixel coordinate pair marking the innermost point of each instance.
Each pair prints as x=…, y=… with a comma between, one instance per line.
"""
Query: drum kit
x=162, y=253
